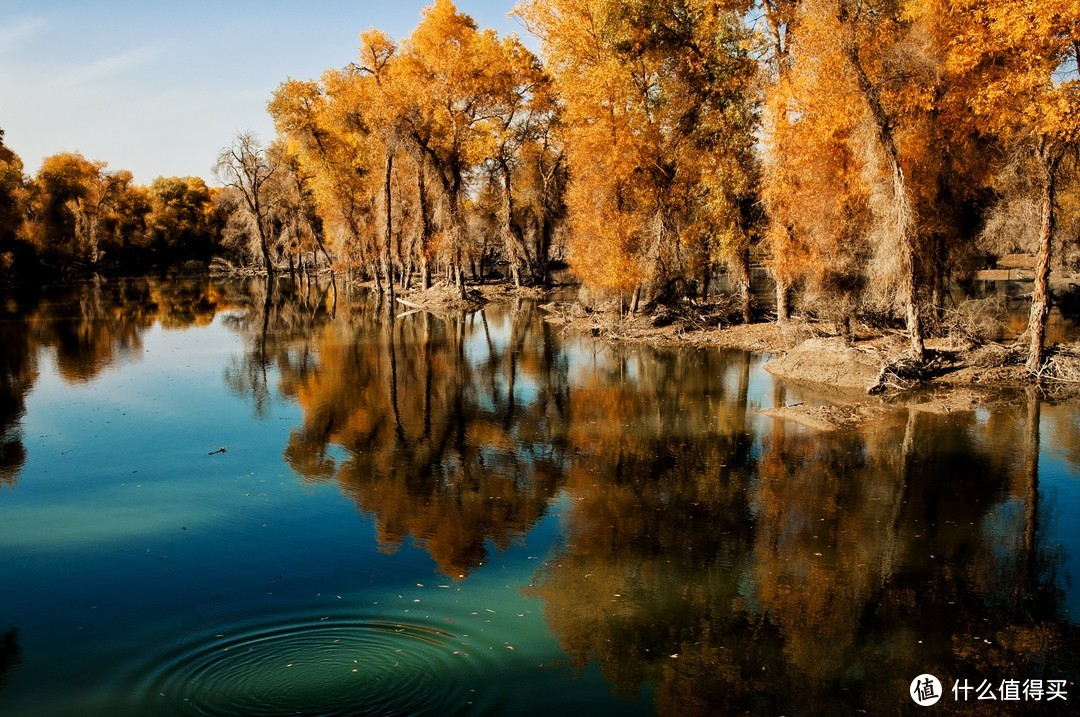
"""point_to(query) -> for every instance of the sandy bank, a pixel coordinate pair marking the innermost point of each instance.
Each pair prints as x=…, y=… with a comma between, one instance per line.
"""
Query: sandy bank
x=959, y=376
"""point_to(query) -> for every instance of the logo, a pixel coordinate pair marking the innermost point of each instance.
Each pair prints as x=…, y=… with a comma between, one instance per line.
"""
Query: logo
x=925, y=690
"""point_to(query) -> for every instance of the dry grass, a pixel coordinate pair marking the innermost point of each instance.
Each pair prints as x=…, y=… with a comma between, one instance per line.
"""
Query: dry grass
x=994, y=355
x=1062, y=365
x=976, y=321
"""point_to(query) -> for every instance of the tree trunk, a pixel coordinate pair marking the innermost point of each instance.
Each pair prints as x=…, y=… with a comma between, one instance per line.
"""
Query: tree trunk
x=458, y=229
x=845, y=329
x=264, y=246
x=543, y=249
x=937, y=290
x=517, y=251
x=937, y=303
x=706, y=279
x=549, y=211
x=742, y=275
x=902, y=219
x=1049, y=158
x=425, y=227
x=329, y=260
x=452, y=181
x=783, y=308
x=425, y=274
x=388, y=270
x=459, y=272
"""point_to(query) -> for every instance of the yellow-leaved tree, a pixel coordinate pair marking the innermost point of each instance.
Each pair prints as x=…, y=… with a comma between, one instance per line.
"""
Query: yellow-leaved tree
x=78, y=208
x=11, y=200
x=1018, y=61
x=872, y=177
x=658, y=121
x=394, y=141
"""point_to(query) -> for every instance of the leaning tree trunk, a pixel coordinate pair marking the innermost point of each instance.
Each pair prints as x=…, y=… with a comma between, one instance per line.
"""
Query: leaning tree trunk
x=517, y=251
x=903, y=218
x=1040, y=304
x=635, y=299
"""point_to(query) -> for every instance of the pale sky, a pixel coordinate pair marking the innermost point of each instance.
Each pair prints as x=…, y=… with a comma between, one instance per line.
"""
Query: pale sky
x=160, y=88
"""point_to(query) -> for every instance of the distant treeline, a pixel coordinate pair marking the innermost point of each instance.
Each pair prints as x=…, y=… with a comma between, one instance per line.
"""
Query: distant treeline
x=866, y=152
x=75, y=215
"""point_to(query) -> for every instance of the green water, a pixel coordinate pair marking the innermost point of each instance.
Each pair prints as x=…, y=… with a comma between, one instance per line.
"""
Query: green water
x=481, y=514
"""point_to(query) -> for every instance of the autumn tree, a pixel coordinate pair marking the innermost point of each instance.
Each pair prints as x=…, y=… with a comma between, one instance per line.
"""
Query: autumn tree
x=542, y=174
x=447, y=75
x=247, y=168
x=181, y=222
x=872, y=182
x=659, y=128
x=395, y=144
x=298, y=225
x=1019, y=63
x=11, y=204
x=318, y=122
x=775, y=33
x=346, y=134
x=524, y=110
x=77, y=208
x=818, y=205
x=385, y=98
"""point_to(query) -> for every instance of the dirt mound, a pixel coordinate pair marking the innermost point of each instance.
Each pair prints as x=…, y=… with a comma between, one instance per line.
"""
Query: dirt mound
x=441, y=298
x=831, y=362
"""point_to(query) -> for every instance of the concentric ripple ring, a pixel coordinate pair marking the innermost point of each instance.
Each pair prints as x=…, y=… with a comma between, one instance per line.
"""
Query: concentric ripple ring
x=330, y=665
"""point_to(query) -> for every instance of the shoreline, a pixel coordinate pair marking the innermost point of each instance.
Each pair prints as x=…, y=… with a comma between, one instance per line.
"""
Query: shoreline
x=858, y=383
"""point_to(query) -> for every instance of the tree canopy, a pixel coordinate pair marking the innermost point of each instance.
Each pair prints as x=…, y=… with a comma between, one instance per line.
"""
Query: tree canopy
x=868, y=153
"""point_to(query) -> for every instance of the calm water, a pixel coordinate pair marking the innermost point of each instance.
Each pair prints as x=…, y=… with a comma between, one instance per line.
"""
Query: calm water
x=483, y=515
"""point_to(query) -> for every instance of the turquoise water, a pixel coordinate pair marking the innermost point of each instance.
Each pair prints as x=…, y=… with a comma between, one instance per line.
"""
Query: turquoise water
x=481, y=514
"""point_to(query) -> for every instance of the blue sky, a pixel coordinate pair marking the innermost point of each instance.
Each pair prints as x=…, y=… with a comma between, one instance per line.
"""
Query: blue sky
x=160, y=88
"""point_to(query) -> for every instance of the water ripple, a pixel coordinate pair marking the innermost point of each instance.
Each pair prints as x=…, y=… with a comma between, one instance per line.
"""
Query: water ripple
x=325, y=665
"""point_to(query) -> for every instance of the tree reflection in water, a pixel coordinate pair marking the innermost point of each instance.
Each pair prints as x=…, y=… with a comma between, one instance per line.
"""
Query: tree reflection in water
x=447, y=425
x=10, y=653
x=859, y=561
x=277, y=320
x=729, y=568
x=86, y=328
x=18, y=372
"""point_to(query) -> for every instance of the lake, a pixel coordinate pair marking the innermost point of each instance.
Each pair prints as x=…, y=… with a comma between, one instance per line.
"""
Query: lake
x=217, y=499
